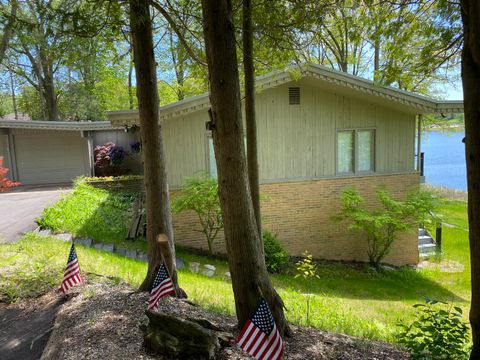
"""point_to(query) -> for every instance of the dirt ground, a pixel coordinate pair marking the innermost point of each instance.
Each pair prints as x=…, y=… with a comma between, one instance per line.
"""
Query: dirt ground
x=103, y=320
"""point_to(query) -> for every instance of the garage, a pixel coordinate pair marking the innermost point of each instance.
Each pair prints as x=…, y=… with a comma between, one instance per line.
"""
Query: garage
x=55, y=152
x=51, y=157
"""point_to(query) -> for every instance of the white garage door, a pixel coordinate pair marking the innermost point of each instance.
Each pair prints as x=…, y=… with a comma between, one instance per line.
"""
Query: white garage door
x=50, y=159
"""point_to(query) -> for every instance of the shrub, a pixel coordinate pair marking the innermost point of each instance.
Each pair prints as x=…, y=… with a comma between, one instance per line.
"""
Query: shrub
x=382, y=226
x=201, y=196
x=108, y=158
x=275, y=255
x=438, y=332
x=5, y=183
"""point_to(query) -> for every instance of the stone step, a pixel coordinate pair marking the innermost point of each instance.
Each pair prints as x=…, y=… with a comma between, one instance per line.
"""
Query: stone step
x=425, y=239
x=427, y=246
x=422, y=232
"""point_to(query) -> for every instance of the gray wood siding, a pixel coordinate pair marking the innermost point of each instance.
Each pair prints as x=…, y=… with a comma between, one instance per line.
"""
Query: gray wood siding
x=298, y=141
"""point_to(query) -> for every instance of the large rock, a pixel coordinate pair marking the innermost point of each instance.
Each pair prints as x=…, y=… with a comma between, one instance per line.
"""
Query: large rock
x=179, y=338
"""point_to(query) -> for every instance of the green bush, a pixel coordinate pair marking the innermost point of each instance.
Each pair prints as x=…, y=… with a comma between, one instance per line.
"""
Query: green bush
x=201, y=196
x=275, y=255
x=438, y=332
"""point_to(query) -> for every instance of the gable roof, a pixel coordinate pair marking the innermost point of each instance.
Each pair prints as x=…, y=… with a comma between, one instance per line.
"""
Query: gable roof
x=318, y=75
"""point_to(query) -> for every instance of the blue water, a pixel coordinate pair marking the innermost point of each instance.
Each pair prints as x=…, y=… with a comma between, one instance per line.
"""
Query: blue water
x=445, y=159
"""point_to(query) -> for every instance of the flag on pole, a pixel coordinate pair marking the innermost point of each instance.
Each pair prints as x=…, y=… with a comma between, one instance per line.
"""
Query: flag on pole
x=260, y=337
x=71, y=275
x=162, y=286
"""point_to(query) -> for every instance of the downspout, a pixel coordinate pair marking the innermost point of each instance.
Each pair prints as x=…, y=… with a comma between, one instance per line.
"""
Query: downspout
x=419, y=146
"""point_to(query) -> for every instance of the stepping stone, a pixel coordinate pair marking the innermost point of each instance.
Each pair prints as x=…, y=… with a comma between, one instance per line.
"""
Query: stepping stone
x=109, y=247
x=121, y=252
x=132, y=254
x=46, y=232
x=142, y=257
x=195, y=267
x=227, y=277
x=179, y=263
x=208, y=270
x=84, y=242
x=64, y=237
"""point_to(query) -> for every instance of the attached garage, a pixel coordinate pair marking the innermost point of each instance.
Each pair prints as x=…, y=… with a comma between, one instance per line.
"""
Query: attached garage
x=50, y=157
x=52, y=152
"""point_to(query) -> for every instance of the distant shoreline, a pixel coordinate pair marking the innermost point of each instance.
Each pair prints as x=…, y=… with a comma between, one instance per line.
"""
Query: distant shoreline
x=446, y=192
x=452, y=127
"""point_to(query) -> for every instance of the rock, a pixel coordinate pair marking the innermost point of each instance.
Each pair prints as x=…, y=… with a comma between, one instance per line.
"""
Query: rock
x=208, y=270
x=132, y=254
x=388, y=268
x=121, y=252
x=142, y=257
x=46, y=232
x=84, y=242
x=64, y=237
x=194, y=267
x=109, y=247
x=98, y=246
x=227, y=277
x=179, y=338
x=180, y=264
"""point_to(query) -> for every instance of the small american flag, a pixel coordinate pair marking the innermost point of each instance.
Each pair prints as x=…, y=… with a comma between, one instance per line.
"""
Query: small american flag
x=162, y=286
x=260, y=337
x=71, y=276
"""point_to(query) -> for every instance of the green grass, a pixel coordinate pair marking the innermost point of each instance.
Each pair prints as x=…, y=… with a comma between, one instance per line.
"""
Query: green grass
x=347, y=299
x=90, y=212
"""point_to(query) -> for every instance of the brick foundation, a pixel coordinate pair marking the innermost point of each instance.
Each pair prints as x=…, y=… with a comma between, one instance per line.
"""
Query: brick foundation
x=300, y=213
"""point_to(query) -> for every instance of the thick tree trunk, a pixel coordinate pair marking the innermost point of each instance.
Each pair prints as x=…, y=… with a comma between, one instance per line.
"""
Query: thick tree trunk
x=250, y=279
x=130, y=90
x=249, y=69
x=159, y=220
x=7, y=31
x=50, y=98
x=471, y=90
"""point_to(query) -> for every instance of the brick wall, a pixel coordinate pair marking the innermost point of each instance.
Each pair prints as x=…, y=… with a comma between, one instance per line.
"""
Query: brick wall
x=300, y=213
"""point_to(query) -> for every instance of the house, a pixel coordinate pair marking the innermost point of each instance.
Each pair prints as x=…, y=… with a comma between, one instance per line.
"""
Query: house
x=319, y=131
x=56, y=152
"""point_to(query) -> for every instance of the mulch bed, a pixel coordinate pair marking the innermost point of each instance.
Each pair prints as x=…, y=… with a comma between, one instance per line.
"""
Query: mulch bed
x=103, y=320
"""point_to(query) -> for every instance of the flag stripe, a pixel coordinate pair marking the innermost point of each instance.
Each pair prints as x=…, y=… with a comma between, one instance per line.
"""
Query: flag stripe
x=71, y=275
x=260, y=337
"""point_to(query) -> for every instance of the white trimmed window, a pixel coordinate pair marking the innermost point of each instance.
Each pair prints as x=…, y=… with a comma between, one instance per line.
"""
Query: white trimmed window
x=355, y=151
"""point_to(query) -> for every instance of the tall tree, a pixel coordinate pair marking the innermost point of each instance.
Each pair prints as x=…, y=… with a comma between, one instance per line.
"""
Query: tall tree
x=249, y=71
x=471, y=90
x=159, y=220
x=9, y=21
x=250, y=279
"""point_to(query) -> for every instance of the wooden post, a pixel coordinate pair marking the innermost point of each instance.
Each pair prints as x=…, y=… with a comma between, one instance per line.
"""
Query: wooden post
x=438, y=236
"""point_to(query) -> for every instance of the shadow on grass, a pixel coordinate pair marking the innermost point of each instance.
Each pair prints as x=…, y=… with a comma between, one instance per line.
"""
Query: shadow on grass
x=337, y=280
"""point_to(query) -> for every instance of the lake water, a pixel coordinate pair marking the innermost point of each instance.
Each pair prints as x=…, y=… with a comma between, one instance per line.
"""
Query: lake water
x=445, y=159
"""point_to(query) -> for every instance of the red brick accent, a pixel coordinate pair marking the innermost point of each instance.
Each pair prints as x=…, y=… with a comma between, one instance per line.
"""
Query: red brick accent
x=300, y=213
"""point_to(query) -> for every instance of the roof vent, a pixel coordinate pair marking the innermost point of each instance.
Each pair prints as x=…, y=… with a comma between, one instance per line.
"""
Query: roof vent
x=294, y=95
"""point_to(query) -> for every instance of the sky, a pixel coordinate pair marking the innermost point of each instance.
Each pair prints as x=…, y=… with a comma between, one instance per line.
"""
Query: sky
x=454, y=91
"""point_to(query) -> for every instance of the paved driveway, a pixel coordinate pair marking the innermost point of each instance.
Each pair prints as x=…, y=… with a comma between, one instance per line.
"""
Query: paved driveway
x=19, y=209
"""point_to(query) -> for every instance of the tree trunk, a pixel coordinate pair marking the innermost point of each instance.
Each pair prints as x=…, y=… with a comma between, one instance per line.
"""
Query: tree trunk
x=50, y=98
x=14, y=98
x=159, y=220
x=130, y=90
x=250, y=279
x=376, y=60
x=471, y=90
x=7, y=31
x=249, y=69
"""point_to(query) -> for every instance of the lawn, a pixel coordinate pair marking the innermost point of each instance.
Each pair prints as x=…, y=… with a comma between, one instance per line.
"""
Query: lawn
x=348, y=299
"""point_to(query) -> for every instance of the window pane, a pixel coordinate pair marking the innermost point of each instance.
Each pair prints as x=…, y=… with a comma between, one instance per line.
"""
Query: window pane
x=365, y=150
x=212, y=170
x=345, y=152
